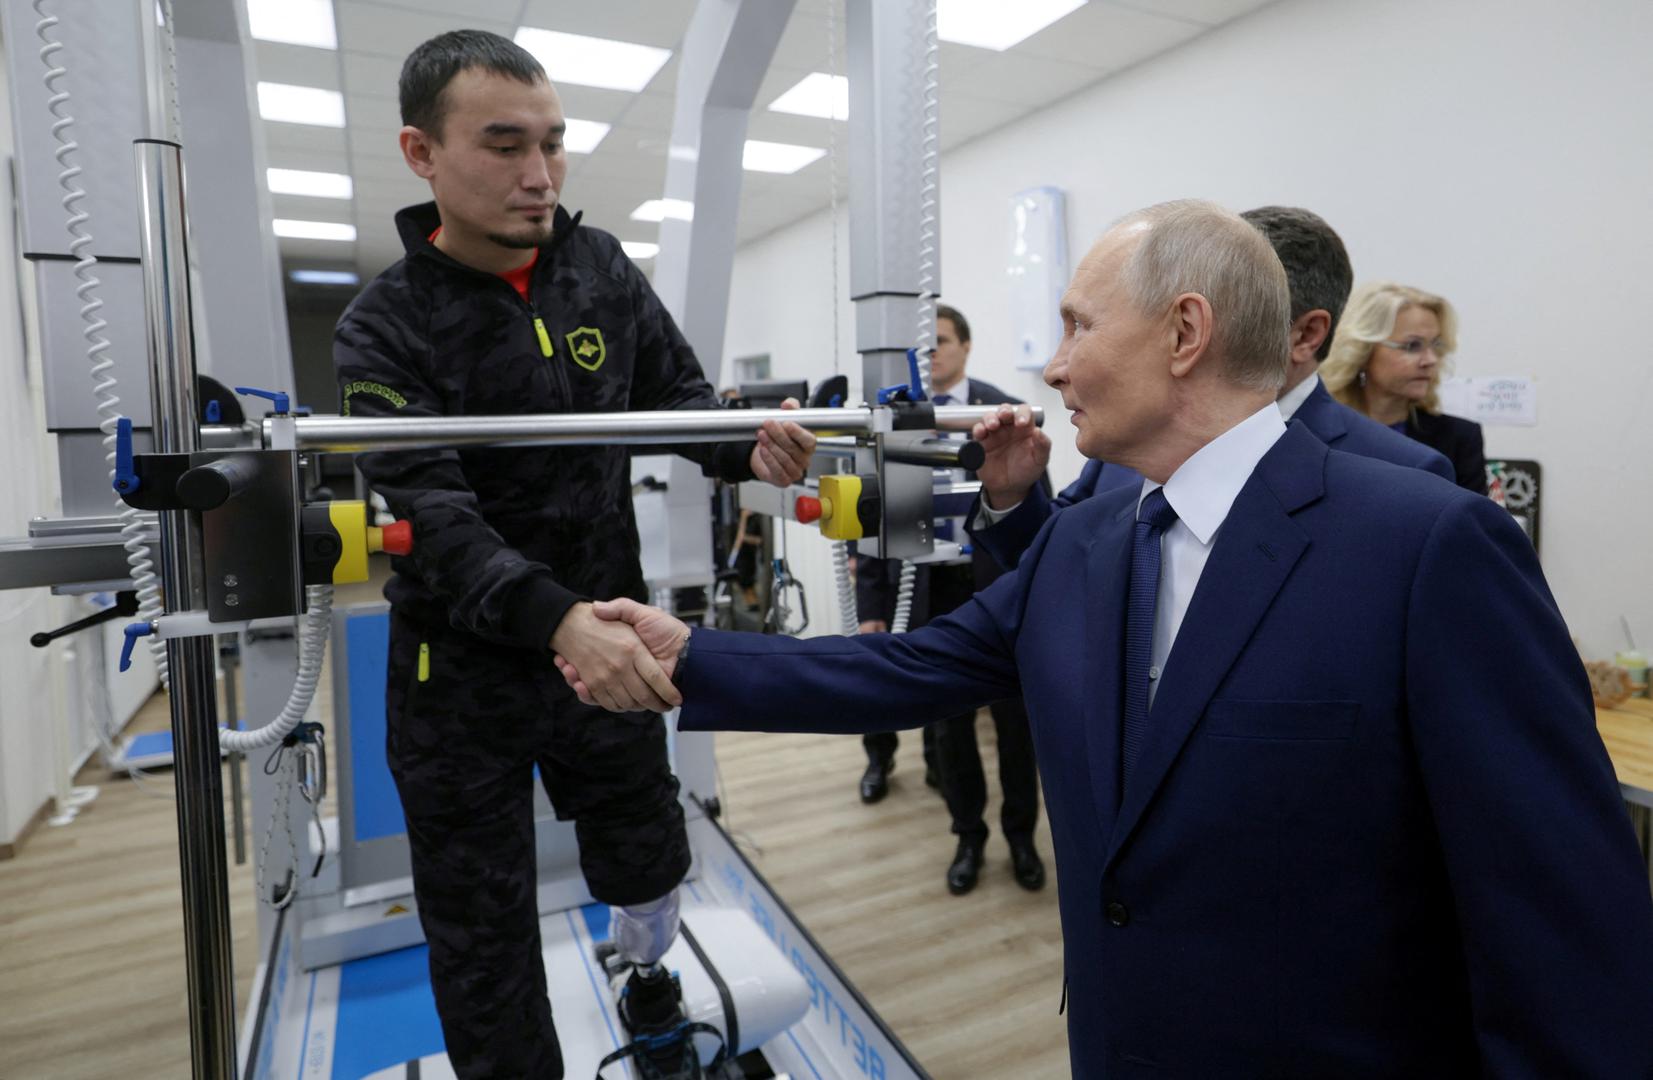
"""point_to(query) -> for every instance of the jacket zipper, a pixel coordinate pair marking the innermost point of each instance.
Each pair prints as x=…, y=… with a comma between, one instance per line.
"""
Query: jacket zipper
x=539, y=328
x=544, y=335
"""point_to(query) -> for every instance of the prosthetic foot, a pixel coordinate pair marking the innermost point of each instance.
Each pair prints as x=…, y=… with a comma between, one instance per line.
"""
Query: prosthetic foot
x=650, y=996
x=651, y=1007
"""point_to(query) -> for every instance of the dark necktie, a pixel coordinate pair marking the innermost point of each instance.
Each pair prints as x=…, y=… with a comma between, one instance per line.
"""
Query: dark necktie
x=1153, y=518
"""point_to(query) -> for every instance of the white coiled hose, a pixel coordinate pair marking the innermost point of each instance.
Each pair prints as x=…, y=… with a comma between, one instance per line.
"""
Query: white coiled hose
x=104, y=383
x=848, y=615
x=315, y=629
x=904, y=598
x=312, y=650
x=930, y=141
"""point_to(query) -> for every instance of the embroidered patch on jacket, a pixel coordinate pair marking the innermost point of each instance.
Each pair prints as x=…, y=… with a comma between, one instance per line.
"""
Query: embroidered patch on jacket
x=586, y=346
x=378, y=390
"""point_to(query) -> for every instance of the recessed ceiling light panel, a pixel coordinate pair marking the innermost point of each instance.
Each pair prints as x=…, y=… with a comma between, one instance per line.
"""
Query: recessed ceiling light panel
x=294, y=22
x=995, y=24
x=592, y=61
x=661, y=209
x=318, y=185
x=325, y=277
x=313, y=230
x=300, y=105
x=817, y=94
x=582, y=136
x=774, y=157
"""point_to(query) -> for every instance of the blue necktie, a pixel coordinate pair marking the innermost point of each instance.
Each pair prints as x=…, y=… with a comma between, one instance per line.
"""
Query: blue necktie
x=1153, y=518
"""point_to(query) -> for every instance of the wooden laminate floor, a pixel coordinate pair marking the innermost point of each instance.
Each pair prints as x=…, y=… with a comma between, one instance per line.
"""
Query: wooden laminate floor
x=91, y=946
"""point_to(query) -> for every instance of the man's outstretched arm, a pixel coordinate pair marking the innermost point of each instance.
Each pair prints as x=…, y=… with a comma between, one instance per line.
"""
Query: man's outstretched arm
x=865, y=682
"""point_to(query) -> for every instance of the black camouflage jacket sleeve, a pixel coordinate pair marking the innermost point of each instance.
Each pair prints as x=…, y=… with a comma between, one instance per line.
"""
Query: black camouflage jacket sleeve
x=491, y=589
x=668, y=376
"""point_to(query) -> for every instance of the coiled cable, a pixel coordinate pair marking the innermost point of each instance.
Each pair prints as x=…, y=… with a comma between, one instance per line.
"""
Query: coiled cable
x=312, y=650
x=928, y=202
x=848, y=616
x=104, y=383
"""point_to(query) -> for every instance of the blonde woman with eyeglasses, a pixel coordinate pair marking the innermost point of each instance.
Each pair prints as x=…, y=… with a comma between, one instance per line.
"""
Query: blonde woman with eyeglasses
x=1386, y=361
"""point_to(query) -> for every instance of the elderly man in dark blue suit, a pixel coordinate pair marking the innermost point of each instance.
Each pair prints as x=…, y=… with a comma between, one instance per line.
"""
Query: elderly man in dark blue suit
x=1319, y=277
x=1319, y=757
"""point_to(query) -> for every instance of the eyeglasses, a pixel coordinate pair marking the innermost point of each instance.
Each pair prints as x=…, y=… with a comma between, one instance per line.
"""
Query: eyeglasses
x=1416, y=346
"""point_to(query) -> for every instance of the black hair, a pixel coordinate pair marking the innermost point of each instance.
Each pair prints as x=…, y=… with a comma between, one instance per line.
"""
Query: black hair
x=432, y=66
x=961, y=326
x=1317, y=265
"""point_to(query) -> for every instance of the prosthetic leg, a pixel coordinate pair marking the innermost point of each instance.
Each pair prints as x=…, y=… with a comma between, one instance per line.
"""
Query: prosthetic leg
x=650, y=997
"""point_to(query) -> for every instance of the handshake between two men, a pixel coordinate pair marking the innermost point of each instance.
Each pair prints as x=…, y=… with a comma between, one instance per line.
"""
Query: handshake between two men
x=630, y=650
x=623, y=671
x=628, y=679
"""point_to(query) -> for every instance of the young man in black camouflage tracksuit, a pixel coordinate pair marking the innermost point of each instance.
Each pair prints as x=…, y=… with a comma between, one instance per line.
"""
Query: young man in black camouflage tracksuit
x=505, y=304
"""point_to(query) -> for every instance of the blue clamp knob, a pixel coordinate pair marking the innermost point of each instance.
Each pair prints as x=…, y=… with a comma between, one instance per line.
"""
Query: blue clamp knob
x=281, y=400
x=915, y=385
x=213, y=413
x=133, y=632
x=836, y=401
x=913, y=388
x=126, y=477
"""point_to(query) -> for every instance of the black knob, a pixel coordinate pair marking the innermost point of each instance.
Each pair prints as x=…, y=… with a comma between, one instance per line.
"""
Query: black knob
x=971, y=456
x=1118, y=914
x=209, y=486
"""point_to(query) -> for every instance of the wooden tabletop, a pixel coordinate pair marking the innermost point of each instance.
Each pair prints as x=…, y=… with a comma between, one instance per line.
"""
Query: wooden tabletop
x=1628, y=733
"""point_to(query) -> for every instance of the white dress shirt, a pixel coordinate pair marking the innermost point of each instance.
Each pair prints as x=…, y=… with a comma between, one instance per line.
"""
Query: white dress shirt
x=1201, y=492
x=1294, y=398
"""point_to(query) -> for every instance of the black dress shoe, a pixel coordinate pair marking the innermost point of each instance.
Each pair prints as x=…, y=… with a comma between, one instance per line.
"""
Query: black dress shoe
x=966, y=868
x=875, y=782
x=1026, y=865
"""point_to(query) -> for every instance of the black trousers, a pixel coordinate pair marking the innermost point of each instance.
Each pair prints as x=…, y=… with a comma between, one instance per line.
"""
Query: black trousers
x=950, y=745
x=881, y=746
x=964, y=783
x=465, y=730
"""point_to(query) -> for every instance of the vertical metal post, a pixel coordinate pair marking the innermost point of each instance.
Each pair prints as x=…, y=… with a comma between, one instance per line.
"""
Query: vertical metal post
x=726, y=52
x=196, y=774
x=886, y=171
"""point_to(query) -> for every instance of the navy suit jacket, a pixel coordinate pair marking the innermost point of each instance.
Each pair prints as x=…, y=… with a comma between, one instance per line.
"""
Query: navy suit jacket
x=1372, y=831
x=1332, y=422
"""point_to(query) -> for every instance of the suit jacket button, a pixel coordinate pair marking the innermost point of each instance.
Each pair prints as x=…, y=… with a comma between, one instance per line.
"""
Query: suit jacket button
x=1118, y=914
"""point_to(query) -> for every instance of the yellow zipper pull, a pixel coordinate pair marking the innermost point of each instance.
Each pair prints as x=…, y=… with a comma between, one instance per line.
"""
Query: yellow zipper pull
x=545, y=337
x=424, y=661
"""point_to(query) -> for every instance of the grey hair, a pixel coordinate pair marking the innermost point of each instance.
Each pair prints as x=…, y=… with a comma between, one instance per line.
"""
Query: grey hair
x=1193, y=246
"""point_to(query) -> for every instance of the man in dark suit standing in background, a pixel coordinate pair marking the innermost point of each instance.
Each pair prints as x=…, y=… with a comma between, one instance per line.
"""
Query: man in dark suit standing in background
x=1320, y=277
x=937, y=589
x=1319, y=756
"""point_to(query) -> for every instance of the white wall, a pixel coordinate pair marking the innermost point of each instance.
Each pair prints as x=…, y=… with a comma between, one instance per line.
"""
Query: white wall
x=52, y=700
x=30, y=683
x=1495, y=152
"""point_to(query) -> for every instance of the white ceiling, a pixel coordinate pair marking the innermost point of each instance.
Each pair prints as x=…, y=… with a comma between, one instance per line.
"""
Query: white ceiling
x=980, y=90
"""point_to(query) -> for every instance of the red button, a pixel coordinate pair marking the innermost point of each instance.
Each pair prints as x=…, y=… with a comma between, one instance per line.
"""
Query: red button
x=398, y=538
x=808, y=508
